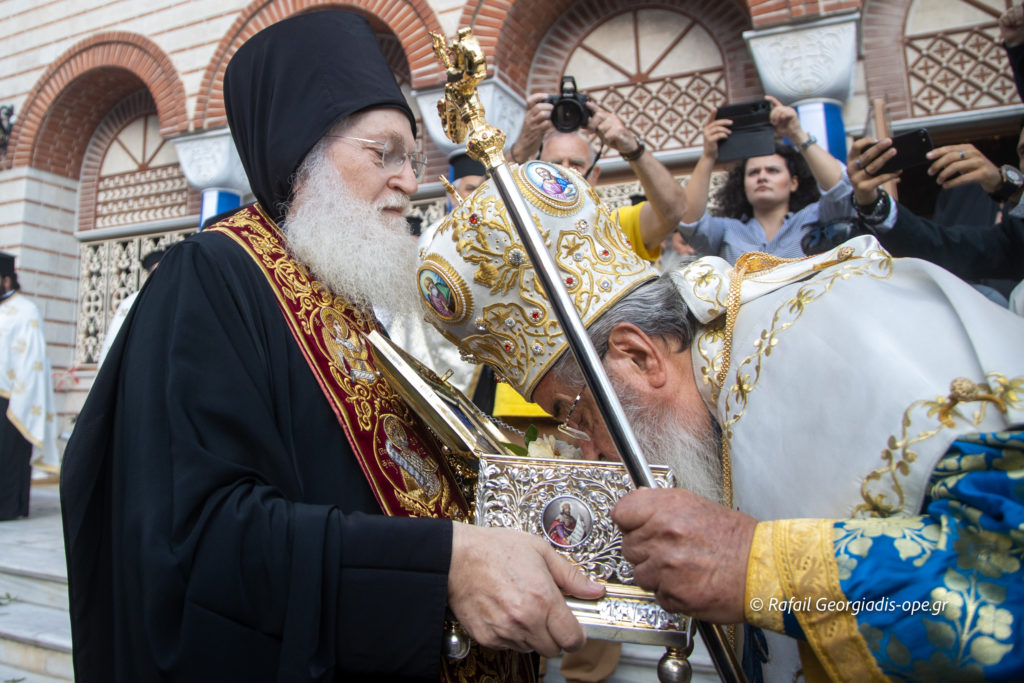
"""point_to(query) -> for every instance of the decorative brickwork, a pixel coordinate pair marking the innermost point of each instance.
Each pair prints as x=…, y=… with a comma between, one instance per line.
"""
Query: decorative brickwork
x=411, y=22
x=152, y=190
x=127, y=198
x=767, y=12
x=958, y=70
x=80, y=88
x=528, y=42
x=885, y=64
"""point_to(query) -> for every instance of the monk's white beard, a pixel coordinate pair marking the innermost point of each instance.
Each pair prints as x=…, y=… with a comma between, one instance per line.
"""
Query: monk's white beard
x=358, y=252
x=689, y=446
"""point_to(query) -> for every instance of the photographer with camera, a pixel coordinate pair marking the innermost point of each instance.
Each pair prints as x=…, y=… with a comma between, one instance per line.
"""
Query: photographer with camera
x=550, y=133
x=768, y=203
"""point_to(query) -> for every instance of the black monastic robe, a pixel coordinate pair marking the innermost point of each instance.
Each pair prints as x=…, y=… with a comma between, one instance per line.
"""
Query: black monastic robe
x=217, y=524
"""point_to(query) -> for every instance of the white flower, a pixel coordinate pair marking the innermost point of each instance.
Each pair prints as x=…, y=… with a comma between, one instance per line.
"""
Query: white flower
x=547, y=446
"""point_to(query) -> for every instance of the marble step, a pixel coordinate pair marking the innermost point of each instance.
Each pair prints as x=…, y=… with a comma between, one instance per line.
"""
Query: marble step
x=36, y=639
x=10, y=674
x=20, y=579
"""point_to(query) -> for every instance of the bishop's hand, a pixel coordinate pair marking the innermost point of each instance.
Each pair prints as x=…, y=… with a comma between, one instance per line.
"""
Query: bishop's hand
x=690, y=552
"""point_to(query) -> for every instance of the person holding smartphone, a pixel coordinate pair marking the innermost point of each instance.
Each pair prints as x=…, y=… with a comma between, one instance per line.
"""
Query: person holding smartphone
x=768, y=202
x=973, y=252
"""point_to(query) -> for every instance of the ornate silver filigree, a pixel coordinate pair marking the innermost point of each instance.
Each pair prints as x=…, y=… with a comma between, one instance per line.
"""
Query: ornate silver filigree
x=515, y=492
x=533, y=494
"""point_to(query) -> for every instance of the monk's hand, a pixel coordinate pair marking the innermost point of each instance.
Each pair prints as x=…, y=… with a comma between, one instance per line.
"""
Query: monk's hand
x=506, y=589
x=690, y=552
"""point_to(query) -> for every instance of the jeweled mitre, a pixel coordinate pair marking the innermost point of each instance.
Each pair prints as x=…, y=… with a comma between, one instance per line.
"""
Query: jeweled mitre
x=479, y=289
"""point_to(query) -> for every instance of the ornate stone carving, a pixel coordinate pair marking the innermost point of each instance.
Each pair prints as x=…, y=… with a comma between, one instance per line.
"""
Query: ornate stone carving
x=809, y=61
x=109, y=271
x=210, y=161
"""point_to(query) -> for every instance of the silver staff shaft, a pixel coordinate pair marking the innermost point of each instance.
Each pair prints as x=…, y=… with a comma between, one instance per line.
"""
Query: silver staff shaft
x=593, y=372
x=575, y=333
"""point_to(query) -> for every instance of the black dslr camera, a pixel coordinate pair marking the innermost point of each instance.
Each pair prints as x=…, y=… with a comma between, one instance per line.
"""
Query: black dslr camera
x=570, y=111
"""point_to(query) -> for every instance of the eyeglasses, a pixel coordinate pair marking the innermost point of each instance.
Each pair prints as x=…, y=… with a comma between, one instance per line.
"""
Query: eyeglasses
x=393, y=155
x=566, y=428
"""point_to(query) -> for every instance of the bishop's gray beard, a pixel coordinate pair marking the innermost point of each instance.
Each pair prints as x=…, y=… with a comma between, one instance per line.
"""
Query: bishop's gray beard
x=349, y=245
x=689, y=446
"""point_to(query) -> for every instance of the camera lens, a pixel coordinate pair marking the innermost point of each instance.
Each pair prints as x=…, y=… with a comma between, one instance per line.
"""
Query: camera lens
x=567, y=115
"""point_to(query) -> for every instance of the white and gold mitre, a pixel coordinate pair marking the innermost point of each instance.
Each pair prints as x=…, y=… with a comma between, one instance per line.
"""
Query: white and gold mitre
x=479, y=289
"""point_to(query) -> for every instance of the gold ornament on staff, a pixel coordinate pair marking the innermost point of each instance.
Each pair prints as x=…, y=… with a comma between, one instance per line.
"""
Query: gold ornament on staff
x=462, y=119
x=462, y=113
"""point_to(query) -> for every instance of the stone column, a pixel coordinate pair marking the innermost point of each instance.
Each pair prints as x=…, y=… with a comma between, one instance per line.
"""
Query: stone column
x=810, y=66
x=211, y=164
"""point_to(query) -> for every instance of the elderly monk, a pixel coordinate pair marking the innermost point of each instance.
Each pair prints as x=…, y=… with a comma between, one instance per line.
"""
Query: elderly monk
x=848, y=424
x=244, y=497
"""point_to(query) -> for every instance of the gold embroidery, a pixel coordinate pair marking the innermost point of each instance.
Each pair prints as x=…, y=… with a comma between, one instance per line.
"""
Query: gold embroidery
x=763, y=581
x=712, y=338
x=912, y=538
x=877, y=264
x=804, y=556
x=509, y=323
x=337, y=329
x=521, y=336
x=347, y=351
x=944, y=412
x=758, y=263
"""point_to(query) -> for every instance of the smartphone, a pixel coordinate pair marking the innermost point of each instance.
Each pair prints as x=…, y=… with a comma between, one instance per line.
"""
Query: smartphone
x=752, y=134
x=911, y=148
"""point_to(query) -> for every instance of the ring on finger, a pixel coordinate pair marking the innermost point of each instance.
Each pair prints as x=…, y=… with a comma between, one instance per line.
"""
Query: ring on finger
x=962, y=155
x=858, y=164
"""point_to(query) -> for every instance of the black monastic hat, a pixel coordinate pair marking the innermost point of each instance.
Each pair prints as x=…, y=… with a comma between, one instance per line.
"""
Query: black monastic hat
x=462, y=166
x=288, y=84
x=6, y=264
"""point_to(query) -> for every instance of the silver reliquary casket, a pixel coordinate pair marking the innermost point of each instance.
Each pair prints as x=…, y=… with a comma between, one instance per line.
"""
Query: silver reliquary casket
x=568, y=502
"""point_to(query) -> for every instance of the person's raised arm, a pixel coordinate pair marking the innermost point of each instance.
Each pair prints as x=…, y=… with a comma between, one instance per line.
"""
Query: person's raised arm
x=825, y=168
x=666, y=201
x=865, y=160
x=536, y=124
x=699, y=184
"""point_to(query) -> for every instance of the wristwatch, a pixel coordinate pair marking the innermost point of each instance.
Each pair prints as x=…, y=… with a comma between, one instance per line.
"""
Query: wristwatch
x=875, y=212
x=636, y=153
x=1013, y=183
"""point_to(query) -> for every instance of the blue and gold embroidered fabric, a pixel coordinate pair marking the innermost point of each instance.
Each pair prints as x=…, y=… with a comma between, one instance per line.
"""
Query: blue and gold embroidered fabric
x=944, y=592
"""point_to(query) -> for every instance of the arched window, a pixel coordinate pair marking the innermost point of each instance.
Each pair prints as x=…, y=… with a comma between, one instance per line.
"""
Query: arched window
x=139, y=177
x=134, y=198
x=658, y=70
